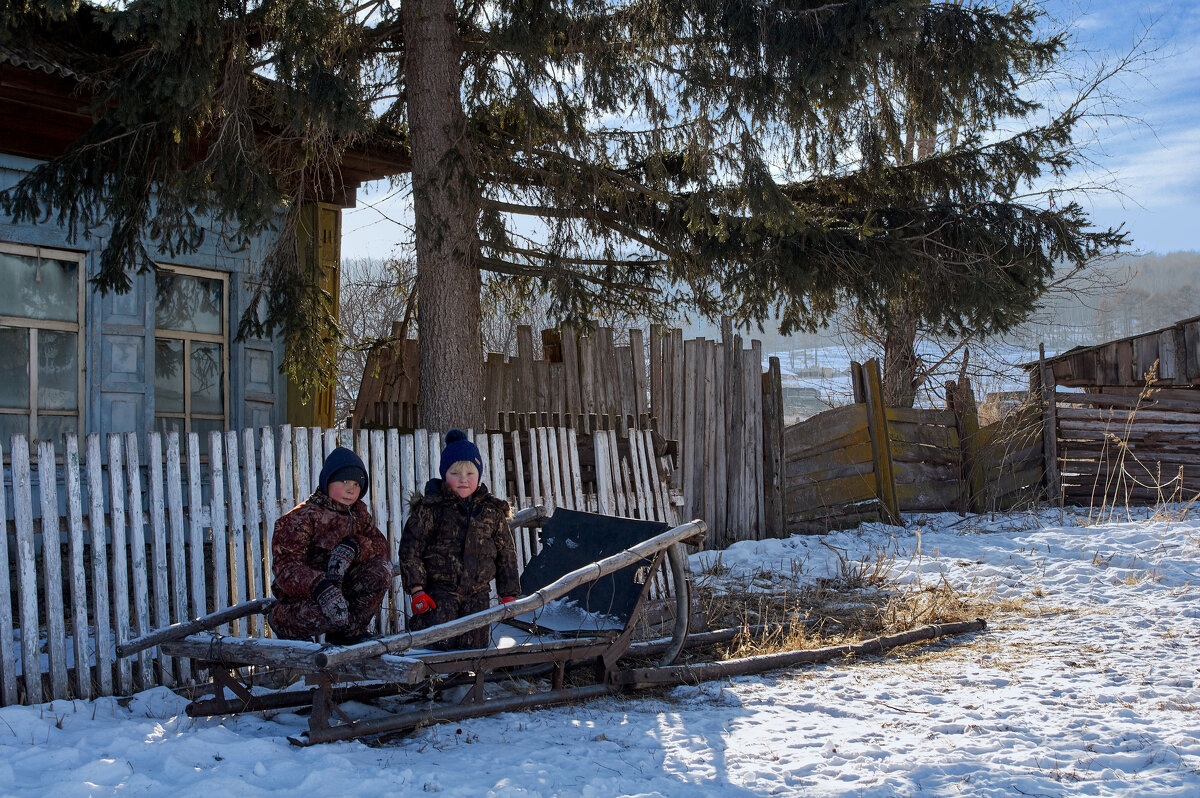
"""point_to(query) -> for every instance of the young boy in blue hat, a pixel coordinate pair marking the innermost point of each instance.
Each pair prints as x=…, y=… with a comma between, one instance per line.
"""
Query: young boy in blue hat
x=329, y=561
x=455, y=542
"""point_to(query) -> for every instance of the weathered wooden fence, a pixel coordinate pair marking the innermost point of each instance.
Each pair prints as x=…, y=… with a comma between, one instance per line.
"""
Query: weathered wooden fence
x=710, y=398
x=105, y=543
x=1115, y=449
x=867, y=462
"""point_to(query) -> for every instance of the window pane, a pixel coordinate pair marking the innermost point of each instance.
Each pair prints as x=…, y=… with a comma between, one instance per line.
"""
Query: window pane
x=51, y=428
x=208, y=379
x=168, y=376
x=58, y=371
x=187, y=303
x=203, y=426
x=14, y=367
x=12, y=424
x=39, y=289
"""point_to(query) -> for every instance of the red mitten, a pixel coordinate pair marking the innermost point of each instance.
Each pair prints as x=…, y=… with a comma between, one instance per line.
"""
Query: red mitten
x=422, y=602
x=507, y=599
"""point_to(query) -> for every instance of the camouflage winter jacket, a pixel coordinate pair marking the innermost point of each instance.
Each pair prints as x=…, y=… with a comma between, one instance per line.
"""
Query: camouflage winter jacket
x=304, y=537
x=458, y=545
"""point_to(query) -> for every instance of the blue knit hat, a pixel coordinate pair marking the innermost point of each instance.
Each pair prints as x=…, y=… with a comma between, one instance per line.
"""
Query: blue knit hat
x=458, y=448
x=340, y=465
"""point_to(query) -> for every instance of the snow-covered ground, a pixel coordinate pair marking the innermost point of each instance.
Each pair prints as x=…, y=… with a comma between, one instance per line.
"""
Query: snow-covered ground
x=1089, y=684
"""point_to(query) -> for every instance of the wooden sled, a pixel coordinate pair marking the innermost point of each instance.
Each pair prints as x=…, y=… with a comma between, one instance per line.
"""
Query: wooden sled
x=401, y=665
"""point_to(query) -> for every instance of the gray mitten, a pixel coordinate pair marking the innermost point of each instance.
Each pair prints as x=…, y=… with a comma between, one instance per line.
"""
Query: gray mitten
x=332, y=603
x=339, y=560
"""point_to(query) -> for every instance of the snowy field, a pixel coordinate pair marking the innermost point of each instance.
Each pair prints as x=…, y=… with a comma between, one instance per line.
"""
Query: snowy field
x=1089, y=686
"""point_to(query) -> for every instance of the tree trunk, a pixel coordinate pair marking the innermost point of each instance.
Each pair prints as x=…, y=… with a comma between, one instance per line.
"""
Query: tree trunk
x=446, y=203
x=900, y=363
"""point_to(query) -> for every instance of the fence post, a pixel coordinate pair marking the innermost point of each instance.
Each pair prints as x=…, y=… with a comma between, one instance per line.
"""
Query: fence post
x=1049, y=425
x=772, y=415
x=960, y=399
x=881, y=450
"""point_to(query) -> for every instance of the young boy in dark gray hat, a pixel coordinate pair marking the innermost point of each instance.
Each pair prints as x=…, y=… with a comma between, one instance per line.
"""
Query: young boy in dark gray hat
x=329, y=561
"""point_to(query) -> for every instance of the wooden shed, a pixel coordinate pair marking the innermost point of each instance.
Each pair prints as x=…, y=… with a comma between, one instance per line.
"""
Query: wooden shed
x=1132, y=434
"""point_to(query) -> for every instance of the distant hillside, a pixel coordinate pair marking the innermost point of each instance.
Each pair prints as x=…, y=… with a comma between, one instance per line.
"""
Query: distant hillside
x=1125, y=297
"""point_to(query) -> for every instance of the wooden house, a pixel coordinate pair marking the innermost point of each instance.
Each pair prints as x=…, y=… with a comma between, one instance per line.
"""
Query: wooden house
x=165, y=355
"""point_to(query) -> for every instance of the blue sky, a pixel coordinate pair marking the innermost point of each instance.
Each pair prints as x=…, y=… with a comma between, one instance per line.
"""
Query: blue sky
x=1150, y=149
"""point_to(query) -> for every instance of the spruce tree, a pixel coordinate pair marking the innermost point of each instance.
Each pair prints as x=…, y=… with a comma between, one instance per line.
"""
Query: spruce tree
x=723, y=155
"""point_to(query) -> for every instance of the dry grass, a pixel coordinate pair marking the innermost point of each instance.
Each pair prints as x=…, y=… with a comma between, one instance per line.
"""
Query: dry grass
x=859, y=602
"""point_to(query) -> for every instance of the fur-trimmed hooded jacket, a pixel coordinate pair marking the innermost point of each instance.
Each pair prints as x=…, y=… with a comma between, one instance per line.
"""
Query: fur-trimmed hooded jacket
x=458, y=545
x=304, y=537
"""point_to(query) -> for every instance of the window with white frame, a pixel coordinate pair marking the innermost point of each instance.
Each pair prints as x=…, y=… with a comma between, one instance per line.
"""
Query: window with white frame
x=191, y=351
x=41, y=342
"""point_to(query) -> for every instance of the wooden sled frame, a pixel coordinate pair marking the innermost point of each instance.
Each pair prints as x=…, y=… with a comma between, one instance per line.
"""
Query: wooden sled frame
x=334, y=674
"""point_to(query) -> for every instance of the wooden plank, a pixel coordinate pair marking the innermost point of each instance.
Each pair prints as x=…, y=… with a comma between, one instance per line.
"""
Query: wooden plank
x=906, y=452
x=676, y=387
x=78, y=571
x=323, y=442
x=608, y=371
x=178, y=547
x=657, y=401
x=772, y=400
x=572, y=479
x=523, y=394
x=160, y=595
x=537, y=494
x=691, y=457
x=885, y=481
x=499, y=484
x=270, y=511
x=521, y=497
x=929, y=496
x=736, y=518
x=1155, y=401
x=754, y=434
x=1049, y=425
x=557, y=465
x=920, y=416
x=641, y=391
x=138, y=573
x=640, y=468
x=571, y=377
x=544, y=470
x=101, y=617
x=27, y=592
x=1121, y=416
x=846, y=440
x=944, y=437
x=8, y=654
x=620, y=489
x=857, y=454
x=197, y=560
x=912, y=473
x=119, y=594
x=239, y=555
x=389, y=482
x=56, y=633
x=827, y=426
x=422, y=464
x=604, y=484
x=833, y=493
x=222, y=589
x=835, y=471
x=1191, y=348
x=710, y=441
x=302, y=462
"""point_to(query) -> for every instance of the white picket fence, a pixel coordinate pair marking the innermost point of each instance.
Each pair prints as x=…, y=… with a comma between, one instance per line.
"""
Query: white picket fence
x=141, y=557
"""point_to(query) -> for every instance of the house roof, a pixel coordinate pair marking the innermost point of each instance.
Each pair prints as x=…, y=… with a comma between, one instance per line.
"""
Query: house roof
x=48, y=83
